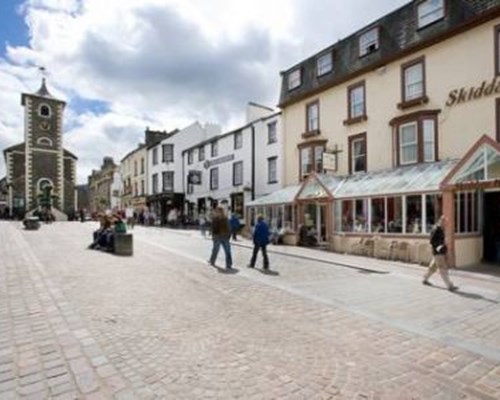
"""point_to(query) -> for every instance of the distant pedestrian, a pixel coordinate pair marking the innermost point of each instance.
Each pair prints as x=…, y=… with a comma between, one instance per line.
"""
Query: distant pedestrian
x=234, y=222
x=260, y=242
x=202, y=221
x=439, y=251
x=220, y=237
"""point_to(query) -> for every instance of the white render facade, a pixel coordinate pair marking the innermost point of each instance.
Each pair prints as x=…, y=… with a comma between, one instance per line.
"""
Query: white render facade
x=166, y=181
x=235, y=167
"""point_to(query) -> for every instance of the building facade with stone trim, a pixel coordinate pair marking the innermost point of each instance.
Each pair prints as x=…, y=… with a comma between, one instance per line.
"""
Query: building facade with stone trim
x=103, y=192
x=395, y=125
x=41, y=164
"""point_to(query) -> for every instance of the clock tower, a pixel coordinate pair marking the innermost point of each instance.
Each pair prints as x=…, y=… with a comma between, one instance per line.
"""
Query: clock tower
x=40, y=171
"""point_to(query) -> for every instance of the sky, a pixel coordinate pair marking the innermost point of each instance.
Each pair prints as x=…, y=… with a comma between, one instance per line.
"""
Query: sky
x=126, y=65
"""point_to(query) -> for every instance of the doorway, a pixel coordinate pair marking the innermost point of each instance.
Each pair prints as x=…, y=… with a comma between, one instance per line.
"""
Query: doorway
x=491, y=227
x=315, y=219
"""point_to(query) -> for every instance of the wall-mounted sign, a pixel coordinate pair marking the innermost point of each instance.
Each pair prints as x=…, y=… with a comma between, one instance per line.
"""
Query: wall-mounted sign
x=217, y=161
x=194, y=177
x=330, y=161
x=462, y=95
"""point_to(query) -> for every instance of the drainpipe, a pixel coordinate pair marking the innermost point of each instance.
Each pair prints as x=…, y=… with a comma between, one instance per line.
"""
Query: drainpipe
x=253, y=163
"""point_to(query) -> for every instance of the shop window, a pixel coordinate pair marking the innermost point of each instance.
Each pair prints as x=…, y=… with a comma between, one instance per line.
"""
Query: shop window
x=433, y=210
x=361, y=215
x=357, y=153
x=430, y=11
x=289, y=217
x=394, y=215
x=467, y=212
x=414, y=214
x=378, y=215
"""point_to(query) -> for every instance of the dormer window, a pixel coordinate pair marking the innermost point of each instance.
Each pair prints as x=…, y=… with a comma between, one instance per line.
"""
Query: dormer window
x=324, y=64
x=44, y=111
x=368, y=42
x=294, y=79
x=430, y=11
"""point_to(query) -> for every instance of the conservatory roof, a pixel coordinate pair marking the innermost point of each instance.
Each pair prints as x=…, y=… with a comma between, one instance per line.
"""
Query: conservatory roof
x=417, y=178
x=282, y=196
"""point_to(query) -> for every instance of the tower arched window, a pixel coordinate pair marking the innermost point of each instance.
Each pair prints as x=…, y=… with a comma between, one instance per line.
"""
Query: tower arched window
x=44, y=141
x=44, y=110
x=43, y=183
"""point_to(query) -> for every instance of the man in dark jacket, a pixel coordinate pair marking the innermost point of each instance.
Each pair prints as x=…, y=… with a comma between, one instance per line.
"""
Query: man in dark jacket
x=220, y=237
x=439, y=251
x=260, y=242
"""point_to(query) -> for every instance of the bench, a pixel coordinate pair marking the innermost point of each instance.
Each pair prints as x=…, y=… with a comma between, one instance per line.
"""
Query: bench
x=31, y=223
x=124, y=244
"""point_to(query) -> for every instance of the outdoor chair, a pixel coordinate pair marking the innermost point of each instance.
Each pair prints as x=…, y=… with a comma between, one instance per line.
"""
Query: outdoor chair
x=393, y=250
x=382, y=249
x=368, y=247
x=424, y=253
x=404, y=251
x=357, y=248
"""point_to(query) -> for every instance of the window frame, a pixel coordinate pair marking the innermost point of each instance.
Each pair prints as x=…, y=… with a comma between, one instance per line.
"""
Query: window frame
x=364, y=51
x=417, y=117
x=190, y=157
x=154, y=183
x=214, y=149
x=164, y=180
x=270, y=177
x=309, y=131
x=49, y=109
x=235, y=166
x=312, y=145
x=439, y=18
x=155, y=155
x=497, y=49
x=360, y=137
x=167, y=152
x=350, y=90
x=201, y=153
x=238, y=140
x=214, y=178
x=293, y=82
x=272, y=132
x=422, y=99
x=320, y=69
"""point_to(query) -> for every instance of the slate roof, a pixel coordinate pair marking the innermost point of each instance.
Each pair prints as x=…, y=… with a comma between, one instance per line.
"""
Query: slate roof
x=399, y=36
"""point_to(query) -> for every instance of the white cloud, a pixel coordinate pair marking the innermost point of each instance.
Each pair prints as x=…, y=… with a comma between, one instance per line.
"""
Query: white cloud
x=163, y=63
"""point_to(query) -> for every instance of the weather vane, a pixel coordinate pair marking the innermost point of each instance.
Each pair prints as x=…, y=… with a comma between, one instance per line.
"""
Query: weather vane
x=42, y=70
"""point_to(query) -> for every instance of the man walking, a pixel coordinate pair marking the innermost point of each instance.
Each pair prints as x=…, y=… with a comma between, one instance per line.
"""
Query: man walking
x=439, y=251
x=260, y=242
x=221, y=233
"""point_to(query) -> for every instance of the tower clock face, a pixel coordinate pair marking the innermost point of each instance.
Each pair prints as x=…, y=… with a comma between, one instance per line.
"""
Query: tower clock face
x=44, y=125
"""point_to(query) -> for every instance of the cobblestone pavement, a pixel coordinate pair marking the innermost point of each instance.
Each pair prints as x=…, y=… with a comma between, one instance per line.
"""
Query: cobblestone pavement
x=83, y=324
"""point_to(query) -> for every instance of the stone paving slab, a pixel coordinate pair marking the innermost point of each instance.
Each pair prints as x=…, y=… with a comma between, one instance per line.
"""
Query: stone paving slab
x=76, y=323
